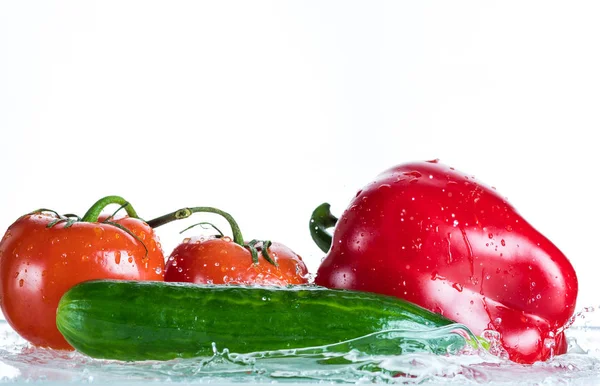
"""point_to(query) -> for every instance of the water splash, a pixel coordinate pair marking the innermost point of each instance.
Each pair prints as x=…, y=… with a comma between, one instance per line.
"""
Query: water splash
x=447, y=360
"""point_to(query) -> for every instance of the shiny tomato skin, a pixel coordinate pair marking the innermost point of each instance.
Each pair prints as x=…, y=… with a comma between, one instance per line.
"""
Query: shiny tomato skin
x=436, y=237
x=221, y=261
x=39, y=264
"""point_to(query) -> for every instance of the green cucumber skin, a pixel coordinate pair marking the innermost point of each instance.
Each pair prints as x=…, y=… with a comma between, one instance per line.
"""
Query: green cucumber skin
x=131, y=320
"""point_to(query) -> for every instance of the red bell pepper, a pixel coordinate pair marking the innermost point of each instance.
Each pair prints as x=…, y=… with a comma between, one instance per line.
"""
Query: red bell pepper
x=436, y=237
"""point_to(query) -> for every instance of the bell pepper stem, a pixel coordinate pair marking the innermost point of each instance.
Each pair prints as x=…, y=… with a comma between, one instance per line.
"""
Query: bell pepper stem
x=321, y=220
x=94, y=212
x=187, y=212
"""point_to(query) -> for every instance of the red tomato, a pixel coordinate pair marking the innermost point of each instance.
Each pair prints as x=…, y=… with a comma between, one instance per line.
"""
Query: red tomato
x=222, y=261
x=38, y=264
x=439, y=238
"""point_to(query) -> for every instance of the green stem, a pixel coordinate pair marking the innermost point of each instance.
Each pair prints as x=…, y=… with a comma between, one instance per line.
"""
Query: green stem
x=321, y=220
x=187, y=212
x=94, y=212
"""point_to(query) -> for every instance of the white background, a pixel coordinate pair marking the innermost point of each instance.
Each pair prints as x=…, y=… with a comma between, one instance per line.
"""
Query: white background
x=268, y=108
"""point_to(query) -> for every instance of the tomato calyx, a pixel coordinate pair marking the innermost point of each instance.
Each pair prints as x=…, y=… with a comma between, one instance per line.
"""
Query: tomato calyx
x=238, y=238
x=263, y=250
x=69, y=218
x=93, y=214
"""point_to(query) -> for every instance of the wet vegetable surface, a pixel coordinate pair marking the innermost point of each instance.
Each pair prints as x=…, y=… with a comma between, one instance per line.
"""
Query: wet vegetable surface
x=434, y=236
x=131, y=320
x=224, y=260
x=43, y=254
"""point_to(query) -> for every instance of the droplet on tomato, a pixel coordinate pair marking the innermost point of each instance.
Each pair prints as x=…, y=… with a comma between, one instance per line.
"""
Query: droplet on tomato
x=117, y=257
x=158, y=270
x=21, y=282
x=186, y=240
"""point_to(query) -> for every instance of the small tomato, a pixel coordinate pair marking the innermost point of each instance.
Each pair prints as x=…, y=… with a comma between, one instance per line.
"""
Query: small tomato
x=222, y=261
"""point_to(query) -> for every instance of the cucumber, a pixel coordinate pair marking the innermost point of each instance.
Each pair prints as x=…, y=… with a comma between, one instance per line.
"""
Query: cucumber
x=136, y=320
